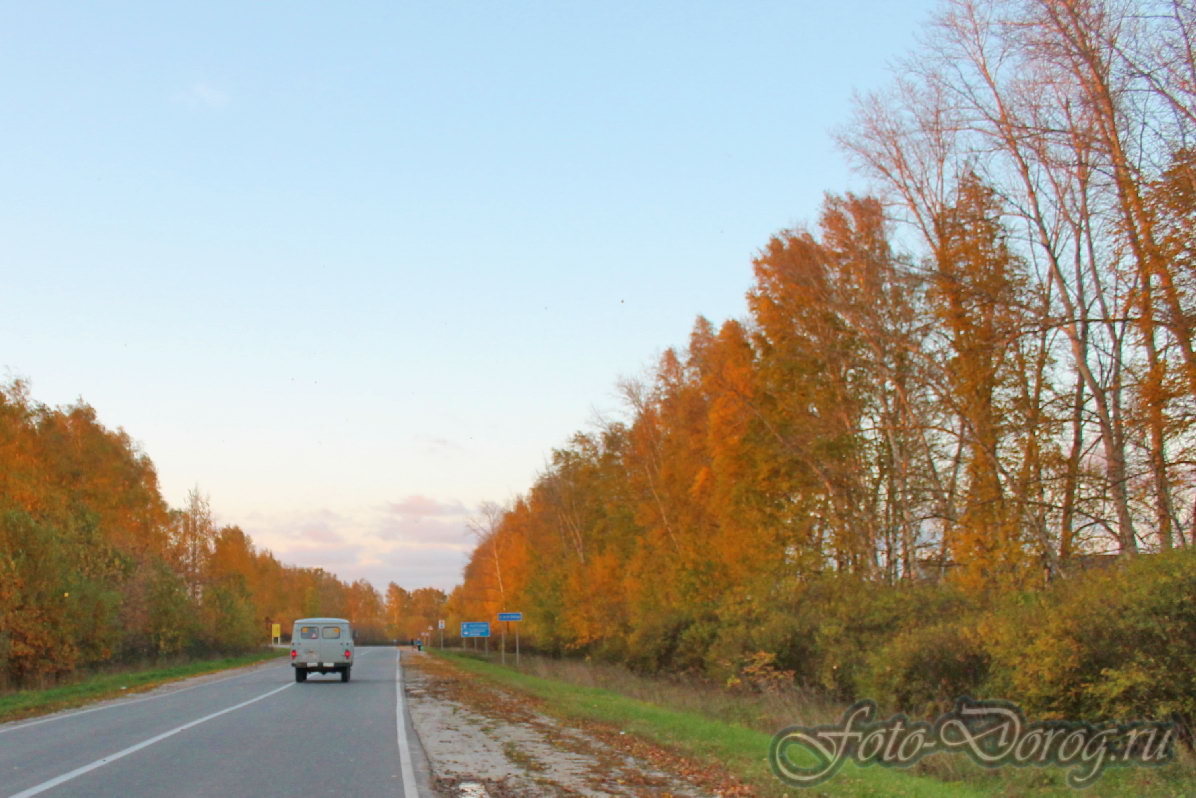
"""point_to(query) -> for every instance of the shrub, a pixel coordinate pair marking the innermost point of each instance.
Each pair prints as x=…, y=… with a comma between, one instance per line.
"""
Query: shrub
x=1114, y=644
x=922, y=669
x=653, y=643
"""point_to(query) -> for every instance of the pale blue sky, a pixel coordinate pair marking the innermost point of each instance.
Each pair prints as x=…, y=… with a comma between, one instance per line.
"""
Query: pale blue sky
x=354, y=268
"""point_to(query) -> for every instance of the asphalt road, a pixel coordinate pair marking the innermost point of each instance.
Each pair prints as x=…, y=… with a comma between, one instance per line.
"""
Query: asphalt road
x=252, y=733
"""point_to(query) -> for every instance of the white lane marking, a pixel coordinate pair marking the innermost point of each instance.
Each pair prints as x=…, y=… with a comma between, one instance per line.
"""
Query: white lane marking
x=121, y=703
x=99, y=763
x=409, y=788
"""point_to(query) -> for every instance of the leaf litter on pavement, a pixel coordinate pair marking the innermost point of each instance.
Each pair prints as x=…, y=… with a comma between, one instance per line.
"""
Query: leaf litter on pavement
x=479, y=735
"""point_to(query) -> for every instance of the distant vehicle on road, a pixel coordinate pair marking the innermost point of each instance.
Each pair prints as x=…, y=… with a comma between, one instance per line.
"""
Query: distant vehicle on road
x=321, y=645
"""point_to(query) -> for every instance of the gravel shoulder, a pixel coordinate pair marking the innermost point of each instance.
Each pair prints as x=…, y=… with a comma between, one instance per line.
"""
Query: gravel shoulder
x=483, y=740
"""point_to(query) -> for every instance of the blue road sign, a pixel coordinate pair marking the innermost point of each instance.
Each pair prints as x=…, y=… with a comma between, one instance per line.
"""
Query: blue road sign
x=475, y=628
x=510, y=616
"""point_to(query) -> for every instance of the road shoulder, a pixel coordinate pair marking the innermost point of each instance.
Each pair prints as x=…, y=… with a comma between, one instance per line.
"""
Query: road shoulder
x=481, y=739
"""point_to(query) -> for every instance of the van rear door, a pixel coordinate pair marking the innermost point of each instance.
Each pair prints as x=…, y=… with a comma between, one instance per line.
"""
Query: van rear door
x=308, y=647
x=335, y=641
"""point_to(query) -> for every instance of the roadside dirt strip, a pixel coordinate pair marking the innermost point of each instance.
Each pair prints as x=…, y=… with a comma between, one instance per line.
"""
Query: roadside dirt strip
x=483, y=741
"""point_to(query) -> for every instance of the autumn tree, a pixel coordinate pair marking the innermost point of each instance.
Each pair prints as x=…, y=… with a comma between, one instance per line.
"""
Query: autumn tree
x=974, y=294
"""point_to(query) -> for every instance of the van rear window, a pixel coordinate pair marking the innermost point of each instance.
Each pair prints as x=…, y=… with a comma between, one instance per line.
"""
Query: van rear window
x=331, y=632
x=309, y=632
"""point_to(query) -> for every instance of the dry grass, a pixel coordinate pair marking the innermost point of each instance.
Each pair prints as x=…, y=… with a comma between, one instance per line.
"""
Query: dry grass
x=764, y=710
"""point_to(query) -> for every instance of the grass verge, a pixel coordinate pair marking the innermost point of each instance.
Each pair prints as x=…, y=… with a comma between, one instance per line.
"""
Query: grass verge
x=28, y=703
x=742, y=750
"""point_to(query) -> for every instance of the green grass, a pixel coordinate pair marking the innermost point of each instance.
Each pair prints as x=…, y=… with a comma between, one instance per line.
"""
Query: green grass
x=694, y=728
x=27, y=703
x=740, y=749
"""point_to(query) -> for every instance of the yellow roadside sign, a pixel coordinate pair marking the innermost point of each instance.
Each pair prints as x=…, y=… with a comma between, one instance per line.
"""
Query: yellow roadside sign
x=276, y=630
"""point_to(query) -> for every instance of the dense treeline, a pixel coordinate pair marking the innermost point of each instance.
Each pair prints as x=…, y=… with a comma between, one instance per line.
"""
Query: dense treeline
x=413, y=614
x=96, y=568
x=982, y=377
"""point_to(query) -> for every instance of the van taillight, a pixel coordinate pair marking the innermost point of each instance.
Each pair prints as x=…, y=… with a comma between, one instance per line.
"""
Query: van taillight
x=347, y=653
x=293, y=653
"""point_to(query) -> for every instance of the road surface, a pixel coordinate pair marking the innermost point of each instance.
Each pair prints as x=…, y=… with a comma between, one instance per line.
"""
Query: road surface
x=252, y=733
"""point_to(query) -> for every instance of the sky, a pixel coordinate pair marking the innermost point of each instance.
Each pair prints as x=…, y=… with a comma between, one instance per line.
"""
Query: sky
x=353, y=269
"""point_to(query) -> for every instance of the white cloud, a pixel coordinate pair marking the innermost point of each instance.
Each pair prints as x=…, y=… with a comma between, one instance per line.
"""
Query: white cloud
x=436, y=445
x=202, y=95
x=418, y=541
x=416, y=506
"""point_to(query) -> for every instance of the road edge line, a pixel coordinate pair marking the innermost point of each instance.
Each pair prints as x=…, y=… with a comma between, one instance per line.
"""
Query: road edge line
x=410, y=790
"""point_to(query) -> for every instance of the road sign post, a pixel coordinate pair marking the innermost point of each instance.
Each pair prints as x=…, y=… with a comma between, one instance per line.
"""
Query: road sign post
x=475, y=628
x=507, y=618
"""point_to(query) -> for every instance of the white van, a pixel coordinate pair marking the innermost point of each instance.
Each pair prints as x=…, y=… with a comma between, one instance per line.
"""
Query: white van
x=321, y=645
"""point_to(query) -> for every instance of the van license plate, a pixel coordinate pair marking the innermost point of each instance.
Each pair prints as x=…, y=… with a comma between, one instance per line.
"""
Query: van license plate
x=329, y=664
